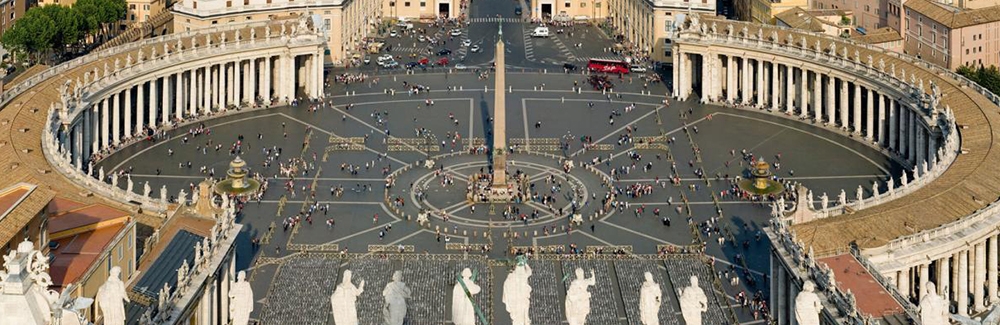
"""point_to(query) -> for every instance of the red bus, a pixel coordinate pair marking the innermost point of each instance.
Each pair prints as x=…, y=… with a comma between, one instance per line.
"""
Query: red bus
x=608, y=66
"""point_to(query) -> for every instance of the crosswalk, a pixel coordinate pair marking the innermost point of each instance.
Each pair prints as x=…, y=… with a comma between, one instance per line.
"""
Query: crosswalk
x=495, y=20
x=564, y=50
x=529, y=46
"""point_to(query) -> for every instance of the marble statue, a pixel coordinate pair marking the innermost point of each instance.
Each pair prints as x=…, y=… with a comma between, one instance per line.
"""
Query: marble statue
x=111, y=298
x=809, y=200
x=344, y=300
x=860, y=194
x=395, y=293
x=578, y=298
x=824, y=200
x=100, y=173
x=774, y=36
x=253, y=33
x=267, y=31
x=240, y=300
x=517, y=294
x=890, y=184
x=933, y=308
x=146, y=189
x=905, y=180
x=163, y=194
x=693, y=302
x=181, y=197
x=463, y=312
x=875, y=190
x=715, y=29
x=114, y=180
x=649, y=301
x=118, y=64
x=283, y=29
x=807, y=305
x=842, y=198
x=128, y=183
x=128, y=60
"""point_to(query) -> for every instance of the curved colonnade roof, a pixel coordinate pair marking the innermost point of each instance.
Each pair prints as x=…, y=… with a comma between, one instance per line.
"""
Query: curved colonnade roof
x=23, y=118
x=969, y=184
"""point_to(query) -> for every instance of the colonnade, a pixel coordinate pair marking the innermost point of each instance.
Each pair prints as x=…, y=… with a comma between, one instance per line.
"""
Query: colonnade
x=968, y=277
x=123, y=114
x=828, y=97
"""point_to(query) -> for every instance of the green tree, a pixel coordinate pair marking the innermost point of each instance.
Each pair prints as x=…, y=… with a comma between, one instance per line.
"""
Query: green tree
x=102, y=14
x=34, y=34
x=70, y=25
x=988, y=78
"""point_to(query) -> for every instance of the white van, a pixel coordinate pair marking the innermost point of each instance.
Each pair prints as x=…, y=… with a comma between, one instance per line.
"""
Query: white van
x=541, y=31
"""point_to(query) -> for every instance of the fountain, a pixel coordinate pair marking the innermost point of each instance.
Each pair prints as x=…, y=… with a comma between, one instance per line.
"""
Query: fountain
x=236, y=181
x=760, y=181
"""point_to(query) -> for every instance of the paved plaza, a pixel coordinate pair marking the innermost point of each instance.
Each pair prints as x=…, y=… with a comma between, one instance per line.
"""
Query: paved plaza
x=634, y=137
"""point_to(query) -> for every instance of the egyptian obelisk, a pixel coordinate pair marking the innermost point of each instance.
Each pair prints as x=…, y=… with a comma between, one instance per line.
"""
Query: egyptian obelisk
x=500, y=118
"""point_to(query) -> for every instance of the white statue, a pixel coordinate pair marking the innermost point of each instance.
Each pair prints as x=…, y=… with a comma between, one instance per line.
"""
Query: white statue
x=146, y=189
x=240, y=300
x=163, y=194
x=181, y=198
x=649, y=301
x=100, y=173
x=111, y=298
x=825, y=201
x=344, y=300
x=904, y=179
x=842, y=198
x=891, y=184
x=578, y=298
x=933, y=308
x=395, y=293
x=462, y=310
x=693, y=302
x=114, y=180
x=128, y=183
x=517, y=294
x=807, y=305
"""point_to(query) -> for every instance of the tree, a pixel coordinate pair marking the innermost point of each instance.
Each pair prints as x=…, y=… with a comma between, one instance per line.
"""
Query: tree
x=101, y=14
x=33, y=34
x=70, y=25
x=988, y=78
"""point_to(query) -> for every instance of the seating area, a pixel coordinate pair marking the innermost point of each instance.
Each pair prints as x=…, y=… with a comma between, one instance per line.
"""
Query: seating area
x=546, y=293
x=680, y=269
x=630, y=279
x=300, y=293
x=428, y=290
x=376, y=273
x=603, y=301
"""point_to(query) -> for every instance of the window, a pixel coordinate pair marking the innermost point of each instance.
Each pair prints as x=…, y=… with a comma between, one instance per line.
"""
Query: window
x=246, y=2
x=195, y=4
x=583, y=5
x=966, y=51
x=145, y=7
x=131, y=6
x=597, y=5
x=229, y=4
x=406, y=4
x=423, y=4
x=567, y=5
x=121, y=252
x=132, y=17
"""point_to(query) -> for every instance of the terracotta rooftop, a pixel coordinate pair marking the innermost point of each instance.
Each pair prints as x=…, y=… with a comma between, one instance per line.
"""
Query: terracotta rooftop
x=953, y=17
x=77, y=253
x=798, y=18
x=88, y=215
x=21, y=210
x=878, y=36
x=10, y=197
x=60, y=205
x=872, y=298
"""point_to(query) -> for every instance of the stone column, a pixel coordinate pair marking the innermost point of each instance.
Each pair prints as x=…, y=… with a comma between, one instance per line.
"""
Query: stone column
x=831, y=101
x=165, y=101
x=192, y=92
x=912, y=137
x=804, y=93
x=140, y=107
x=893, y=123
x=206, y=90
x=963, y=283
x=676, y=73
x=679, y=77
x=921, y=145
x=707, y=87
x=761, y=85
x=870, y=118
x=216, y=84
x=730, y=79
x=262, y=70
x=922, y=282
x=944, y=279
x=247, y=86
x=991, y=270
x=179, y=96
x=782, y=297
x=320, y=74
x=880, y=101
x=817, y=97
x=153, y=92
x=266, y=86
x=775, y=87
x=904, y=139
x=980, y=277
x=128, y=112
x=252, y=78
x=844, y=124
x=229, y=83
x=745, y=87
x=857, y=109
x=789, y=89
x=92, y=121
x=904, y=283
x=116, y=118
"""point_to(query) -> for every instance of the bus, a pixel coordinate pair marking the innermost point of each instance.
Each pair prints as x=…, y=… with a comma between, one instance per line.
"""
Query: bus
x=608, y=66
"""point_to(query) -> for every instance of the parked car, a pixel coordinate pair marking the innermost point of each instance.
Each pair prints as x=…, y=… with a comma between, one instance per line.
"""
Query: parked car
x=393, y=33
x=412, y=65
x=569, y=66
x=540, y=31
x=442, y=62
x=424, y=61
x=456, y=32
x=444, y=52
x=466, y=42
x=638, y=68
x=475, y=49
x=460, y=67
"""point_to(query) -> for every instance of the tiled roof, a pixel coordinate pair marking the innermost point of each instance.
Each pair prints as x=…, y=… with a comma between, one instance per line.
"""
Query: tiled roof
x=87, y=215
x=872, y=298
x=878, y=36
x=953, y=17
x=77, y=253
x=19, y=215
x=800, y=19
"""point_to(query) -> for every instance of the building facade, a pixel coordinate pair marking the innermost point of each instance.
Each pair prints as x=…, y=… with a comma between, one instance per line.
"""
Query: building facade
x=345, y=22
x=952, y=37
x=764, y=11
x=11, y=10
x=23, y=210
x=867, y=14
x=421, y=9
x=647, y=25
x=566, y=10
